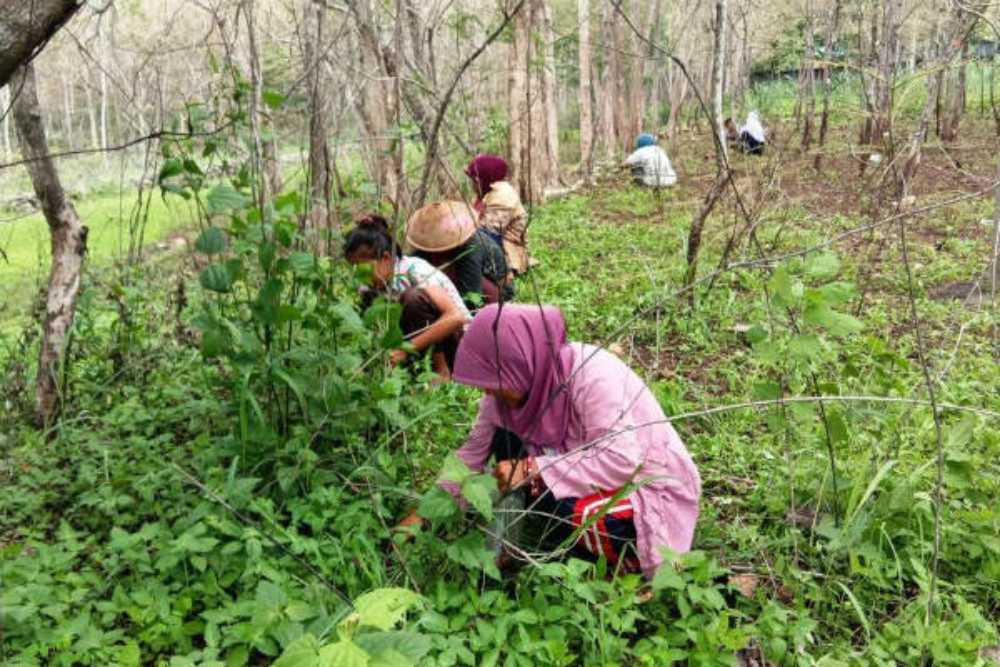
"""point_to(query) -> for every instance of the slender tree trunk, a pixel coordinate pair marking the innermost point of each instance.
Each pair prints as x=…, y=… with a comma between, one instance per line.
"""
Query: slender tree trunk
x=552, y=176
x=95, y=138
x=882, y=125
x=809, y=90
x=319, y=157
x=69, y=244
x=959, y=25
x=5, y=103
x=718, y=65
x=517, y=90
x=67, y=94
x=606, y=91
x=956, y=99
x=585, y=96
x=824, y=123
x=262, y=128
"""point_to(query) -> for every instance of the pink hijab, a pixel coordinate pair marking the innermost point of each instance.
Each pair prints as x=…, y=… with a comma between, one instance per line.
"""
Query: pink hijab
x=522, y=348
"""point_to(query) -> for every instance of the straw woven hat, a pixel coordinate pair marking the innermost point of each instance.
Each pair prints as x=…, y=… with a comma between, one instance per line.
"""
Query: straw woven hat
x=440, y=226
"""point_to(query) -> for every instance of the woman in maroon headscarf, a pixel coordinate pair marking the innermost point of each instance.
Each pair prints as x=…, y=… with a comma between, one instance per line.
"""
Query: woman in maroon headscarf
x=598, y=454
x=500, y=212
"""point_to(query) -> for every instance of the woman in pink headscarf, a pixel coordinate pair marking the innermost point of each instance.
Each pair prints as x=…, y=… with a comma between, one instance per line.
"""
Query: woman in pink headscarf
x=499, y=207
x=598, y=451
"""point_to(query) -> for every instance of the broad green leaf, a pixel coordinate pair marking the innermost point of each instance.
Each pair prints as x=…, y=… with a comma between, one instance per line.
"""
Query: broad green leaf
x=454, y=469
x=410, y=645
x=223, y=197
x=766, y=391
x=390, y=658
x=211, y=241
x=823, y=266
x=385, y=608
x=787, y=291
x=344, y=653
x=667, y=577
x=272, y=98
x=270, y=595
x=170, y=168
x=960, y=434
x=470, y=551
x=216, y=278
x=268, y=301
x=478, y=490
x=437, y=504
x=838, y=324
x=299, y=611
x=805, y=347
x=303, y=652
x=349, y=318
x=756, y=334
x=302, y=262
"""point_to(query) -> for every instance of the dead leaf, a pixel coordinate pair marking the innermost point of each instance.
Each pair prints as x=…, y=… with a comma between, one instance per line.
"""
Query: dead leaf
x=745, y=583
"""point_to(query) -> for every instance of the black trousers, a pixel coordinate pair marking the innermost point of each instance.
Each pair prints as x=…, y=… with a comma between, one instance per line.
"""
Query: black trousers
x=553, y=522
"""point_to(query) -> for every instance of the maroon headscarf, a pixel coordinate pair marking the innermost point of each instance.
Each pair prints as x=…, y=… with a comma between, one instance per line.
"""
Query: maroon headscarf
x=522, y=348
x=485, y=170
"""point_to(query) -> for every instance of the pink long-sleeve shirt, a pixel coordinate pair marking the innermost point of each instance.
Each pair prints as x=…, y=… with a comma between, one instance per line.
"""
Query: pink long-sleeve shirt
x=617, y=435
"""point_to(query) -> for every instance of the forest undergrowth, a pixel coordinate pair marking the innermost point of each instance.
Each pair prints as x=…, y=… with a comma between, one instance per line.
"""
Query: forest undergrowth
x=236, y=450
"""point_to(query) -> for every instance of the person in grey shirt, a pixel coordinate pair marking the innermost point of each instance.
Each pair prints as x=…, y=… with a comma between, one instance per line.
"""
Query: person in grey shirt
x=649, y=163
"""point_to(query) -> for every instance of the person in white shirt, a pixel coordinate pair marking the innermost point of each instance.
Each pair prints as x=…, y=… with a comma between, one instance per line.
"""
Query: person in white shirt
x=649, y=163
x=750, y=137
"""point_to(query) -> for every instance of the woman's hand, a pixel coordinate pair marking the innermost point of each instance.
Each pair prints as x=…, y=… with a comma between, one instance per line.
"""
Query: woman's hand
x=396, y=357
x=510, y=474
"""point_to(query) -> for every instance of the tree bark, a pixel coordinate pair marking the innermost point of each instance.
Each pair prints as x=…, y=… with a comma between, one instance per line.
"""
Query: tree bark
x=319, y=157
x=606, y=90
x=26, y=26
x=824, y=121
x=69, y=244
x=552, y=175
x=5, y=104
x=881, y=128
x=517, y=90
x=952, y=43
x=718, y=66
x=956, y=102
x=585, y=94
x=809, y=89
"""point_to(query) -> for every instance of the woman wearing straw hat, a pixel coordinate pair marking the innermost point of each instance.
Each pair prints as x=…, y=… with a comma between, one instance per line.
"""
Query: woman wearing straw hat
x=444, y=233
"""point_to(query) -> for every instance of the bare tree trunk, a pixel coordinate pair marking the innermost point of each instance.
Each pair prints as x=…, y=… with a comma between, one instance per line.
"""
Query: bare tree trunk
x=606, y=90
x=619, y=84
x=5, y=104
x=69, y=244
x=882, y=123
x=263, y=130
x=319, y=157
x=27, y=26
x=67, y=95
x=95, y=138
x=718, y=65
x=809, y=90
x=517, y=90
x=824, y=123
x=956, y=98
x=952, y=43
x=586, y=102
x=552, y=174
